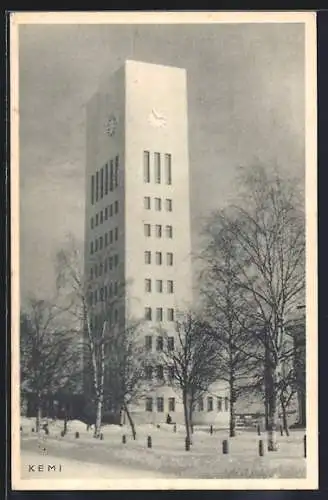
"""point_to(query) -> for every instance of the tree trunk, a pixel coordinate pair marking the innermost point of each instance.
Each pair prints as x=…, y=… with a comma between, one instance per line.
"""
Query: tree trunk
x=186, y=417
x=272, y=410
x=284, y=418
x=98, y=416
x=133, y=429
x=232, y=421
x=38, y=414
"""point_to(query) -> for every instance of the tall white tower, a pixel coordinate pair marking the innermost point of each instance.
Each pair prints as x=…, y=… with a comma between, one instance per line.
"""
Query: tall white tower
x=137, y=227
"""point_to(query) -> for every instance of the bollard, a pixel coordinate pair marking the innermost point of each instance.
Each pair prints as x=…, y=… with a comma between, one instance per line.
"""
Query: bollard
x=211, y=429
x=46, y=431
x=158, y=426
x=101, y=437
x=175, y=428
x=149, y=443
x=77, y=435
x=258, y=430
x=187, y=444
x=32, y=429
x=225, y=447
x=261, y=448
x=281, y=430
x=21, y=428
x=62, y=433
x=124, y=439
x=304, y=442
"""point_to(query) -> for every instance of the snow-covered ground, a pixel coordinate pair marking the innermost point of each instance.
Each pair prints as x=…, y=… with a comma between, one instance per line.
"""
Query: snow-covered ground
x=167, y=457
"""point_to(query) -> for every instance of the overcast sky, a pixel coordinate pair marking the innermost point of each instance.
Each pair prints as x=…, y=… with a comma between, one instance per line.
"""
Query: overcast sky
x=245, y=99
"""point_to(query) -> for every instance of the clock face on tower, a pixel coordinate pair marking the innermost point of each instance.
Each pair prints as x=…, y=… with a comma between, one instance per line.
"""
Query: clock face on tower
x=157, y=119
x=110, y=125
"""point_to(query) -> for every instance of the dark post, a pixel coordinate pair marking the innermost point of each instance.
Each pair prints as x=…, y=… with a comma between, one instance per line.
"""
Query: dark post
x=261, y=448
x=225, y=447
x=258, y=430
x=192, y=429
x=124, y=439
x=175, y=428
x=101, y=437
x=21, y=428
x=304, y=441
x=62, y=433
x=32, y=429
x=187, y=444
x=77, y=435
x=211, y=429
x=149, y=443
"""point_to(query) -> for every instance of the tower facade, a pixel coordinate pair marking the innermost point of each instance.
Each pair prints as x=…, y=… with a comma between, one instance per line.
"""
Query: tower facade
x=137, y=230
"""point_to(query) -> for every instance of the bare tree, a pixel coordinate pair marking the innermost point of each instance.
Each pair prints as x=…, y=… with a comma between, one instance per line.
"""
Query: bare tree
x=126, y=369
x=224, y=306
x=97, y=310
x=266, y=228
x=192, y=365
x=49, y=353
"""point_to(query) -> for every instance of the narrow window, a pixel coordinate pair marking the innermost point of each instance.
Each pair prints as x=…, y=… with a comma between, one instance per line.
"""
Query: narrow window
x=159, y=314
x=106, y=213
x=148, y=313
x=170, y=372
x=157, y=158
x=96, y=270
x=115, y=288
x=106, y=239
x=116, y=171
x=219, y=402
x=116, y=233
x=110, y=263
x=169, y=231
x=147, y=229
x=116, y=260
x=159, y=372
x=171, y=404
x=111, y=176
x=96, y=245
x=158, y=231
x=159, y=258
x=111, y=210
x=148, y=372
x=169, y=259
x=226, y=404
x=170, y=314
x=170, y=343
x=159, y=286
x=159, y=344
x=168, y=169
x=100, y=243
x=170, y=286
x=147, y=257
x=146, y=166
x=168, y=205
x=210, y=403
x=148, y=285
x=148, y=342
x=111, y=236
x=160, y=405
x=158, y=204
x=91, y=247
x=106, y=178
x=106, y=264
x=101, y=217
x=97, y=219
x=147, y=202
x=116, y=207
x=200, y=404
x=97, y=185
x=102, y=183
x=91, y=222
x=92, y=190
x=149, y=404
